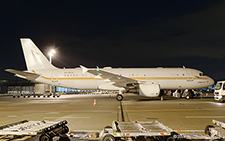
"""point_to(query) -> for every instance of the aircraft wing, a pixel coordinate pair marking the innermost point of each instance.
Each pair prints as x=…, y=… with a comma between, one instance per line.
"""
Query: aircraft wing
x=118, y=80
x=25, y=75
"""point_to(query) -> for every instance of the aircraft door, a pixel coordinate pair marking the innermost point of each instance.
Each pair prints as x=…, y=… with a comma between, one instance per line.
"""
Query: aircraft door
x=55, y=76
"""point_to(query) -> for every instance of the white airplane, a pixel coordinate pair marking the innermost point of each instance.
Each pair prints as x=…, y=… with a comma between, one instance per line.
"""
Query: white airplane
x=143, y=81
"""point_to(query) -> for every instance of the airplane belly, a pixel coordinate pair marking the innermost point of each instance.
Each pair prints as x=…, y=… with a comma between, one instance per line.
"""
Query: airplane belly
x=76, y=84
x=81, y=84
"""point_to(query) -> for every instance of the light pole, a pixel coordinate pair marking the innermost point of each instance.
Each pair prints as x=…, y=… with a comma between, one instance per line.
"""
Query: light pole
x=51, y=53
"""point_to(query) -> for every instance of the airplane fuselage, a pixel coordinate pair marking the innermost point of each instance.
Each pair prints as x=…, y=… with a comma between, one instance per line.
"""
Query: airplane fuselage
x=167, y=78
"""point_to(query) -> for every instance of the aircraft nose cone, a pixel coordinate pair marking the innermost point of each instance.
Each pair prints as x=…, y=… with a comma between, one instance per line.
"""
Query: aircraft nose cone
x=211, y=81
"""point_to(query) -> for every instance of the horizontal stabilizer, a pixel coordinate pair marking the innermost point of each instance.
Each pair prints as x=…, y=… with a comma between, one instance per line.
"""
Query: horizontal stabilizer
x=22, y=74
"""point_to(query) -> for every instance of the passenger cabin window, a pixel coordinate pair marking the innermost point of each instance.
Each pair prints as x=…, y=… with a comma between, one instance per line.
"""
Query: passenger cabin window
x=201, y=74
x=218, y=86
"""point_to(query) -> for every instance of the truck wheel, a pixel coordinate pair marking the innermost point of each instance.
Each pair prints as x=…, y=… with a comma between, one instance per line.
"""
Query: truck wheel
x=221, y=99
x=64, y=138
x=207, y=129
x=45, y=137
x=108, y=138
x=170, y=139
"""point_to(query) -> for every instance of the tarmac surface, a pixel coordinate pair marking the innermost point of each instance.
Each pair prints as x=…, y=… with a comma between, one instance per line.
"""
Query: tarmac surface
x=79, y=110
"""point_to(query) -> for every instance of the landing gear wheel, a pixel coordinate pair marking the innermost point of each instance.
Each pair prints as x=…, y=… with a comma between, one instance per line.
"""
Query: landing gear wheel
x=108, y=138
x=119, y=97
x=45, y=137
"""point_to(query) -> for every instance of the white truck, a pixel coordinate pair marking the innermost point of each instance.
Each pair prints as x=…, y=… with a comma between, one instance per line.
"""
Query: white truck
x=219, y=92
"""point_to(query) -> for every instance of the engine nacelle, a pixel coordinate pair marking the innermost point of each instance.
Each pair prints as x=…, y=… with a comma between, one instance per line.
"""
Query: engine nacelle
x=149, y=90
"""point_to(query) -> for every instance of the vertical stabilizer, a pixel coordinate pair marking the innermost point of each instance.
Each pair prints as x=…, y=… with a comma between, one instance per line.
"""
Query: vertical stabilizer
x=35, y=59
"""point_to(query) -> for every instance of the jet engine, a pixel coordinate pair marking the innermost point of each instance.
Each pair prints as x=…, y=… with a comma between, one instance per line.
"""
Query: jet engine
x=149, y=90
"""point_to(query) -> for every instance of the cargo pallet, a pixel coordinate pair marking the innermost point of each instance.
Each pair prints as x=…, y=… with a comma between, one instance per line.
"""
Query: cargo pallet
x=46, y=129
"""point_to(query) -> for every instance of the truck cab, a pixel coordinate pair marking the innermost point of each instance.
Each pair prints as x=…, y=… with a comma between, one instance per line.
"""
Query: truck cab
x=219, y=93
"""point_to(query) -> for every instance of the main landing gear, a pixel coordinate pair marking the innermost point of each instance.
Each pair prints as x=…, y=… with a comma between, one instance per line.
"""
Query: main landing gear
x=119, y=97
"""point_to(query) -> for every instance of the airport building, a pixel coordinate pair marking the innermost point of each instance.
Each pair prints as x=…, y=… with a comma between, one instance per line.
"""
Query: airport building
x=28, y=87
x=8, y=87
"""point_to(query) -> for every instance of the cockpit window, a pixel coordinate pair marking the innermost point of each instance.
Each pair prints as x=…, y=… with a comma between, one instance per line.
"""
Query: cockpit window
x=218, y=86
x=201, y=74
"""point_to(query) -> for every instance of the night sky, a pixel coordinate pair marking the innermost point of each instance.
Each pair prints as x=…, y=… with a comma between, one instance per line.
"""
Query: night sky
x=131, y=34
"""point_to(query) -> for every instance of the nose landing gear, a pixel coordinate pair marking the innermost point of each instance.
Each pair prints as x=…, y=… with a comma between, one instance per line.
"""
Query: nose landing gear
x=119, y=97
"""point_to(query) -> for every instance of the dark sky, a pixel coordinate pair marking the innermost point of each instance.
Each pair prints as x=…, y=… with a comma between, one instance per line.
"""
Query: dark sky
x=117, y=33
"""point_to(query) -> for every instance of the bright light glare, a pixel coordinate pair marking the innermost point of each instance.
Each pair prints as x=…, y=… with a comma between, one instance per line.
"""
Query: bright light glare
x=52, y=52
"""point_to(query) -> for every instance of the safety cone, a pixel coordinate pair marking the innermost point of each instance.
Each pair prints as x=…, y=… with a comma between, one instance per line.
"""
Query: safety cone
x=95, y=102
x=161, y=98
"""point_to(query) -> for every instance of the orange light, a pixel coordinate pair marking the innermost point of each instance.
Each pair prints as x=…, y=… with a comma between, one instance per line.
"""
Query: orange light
x=178, y=131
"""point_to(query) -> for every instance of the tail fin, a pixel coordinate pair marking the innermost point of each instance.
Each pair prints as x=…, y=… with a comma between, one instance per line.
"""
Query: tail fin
x=35, y=59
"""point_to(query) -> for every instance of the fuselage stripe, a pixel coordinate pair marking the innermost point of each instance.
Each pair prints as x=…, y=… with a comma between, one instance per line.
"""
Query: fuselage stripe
x=135, y=78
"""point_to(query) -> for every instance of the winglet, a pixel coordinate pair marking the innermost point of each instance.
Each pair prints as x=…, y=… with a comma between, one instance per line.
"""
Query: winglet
x=97, y=68
x=84, y=69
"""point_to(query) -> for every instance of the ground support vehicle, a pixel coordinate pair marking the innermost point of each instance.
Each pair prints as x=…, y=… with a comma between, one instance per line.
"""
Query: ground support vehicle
x=218, y=131
x=137, y=130
x=219, y=92
x=46, y=129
